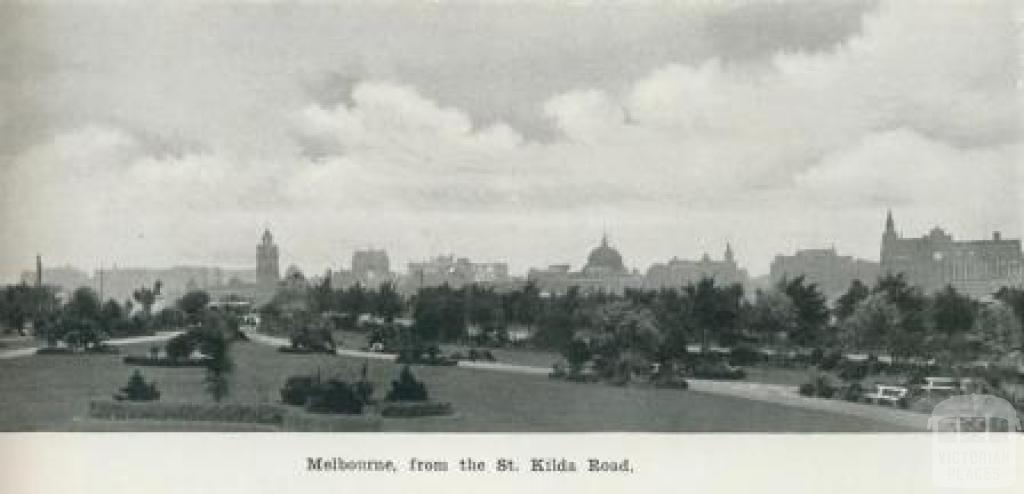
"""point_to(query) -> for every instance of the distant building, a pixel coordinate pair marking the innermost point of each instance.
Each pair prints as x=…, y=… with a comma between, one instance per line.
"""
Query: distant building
x=456, y=272
x=975, y=267
x=267, y=269
x=831, y=272
x=679, y=272
x=370, y=268
x=604, y=272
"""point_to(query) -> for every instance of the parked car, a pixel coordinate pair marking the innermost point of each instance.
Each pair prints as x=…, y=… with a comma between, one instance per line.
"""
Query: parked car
x=888, y=395
x=940, y=386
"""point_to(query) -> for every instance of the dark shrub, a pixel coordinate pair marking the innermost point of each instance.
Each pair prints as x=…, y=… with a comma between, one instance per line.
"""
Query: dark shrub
x=407, y=388
x=807, y=389
x=180, y=347
x=334, y=396
x=854, y=371
x=711, y=369
x=820, y=387
x=744, y=355
x=297, y=389
x=851, y=392
x=412, y=409
x=138, y=390
x=53, y=350
x=817, y=355
x=103, y=349
x=830, y=360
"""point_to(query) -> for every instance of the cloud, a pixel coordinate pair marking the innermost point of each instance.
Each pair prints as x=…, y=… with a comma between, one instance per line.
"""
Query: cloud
x=918, y=110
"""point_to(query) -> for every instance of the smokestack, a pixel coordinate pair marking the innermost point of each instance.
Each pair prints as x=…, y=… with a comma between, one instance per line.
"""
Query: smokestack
x=39, y=270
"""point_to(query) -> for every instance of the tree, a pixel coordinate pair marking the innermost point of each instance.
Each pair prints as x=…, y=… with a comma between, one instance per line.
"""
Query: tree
x=389, y=303
x=576, y=353
x=1014, y=298
x=193, y=304
x=811, y=310
x=714, y=311
x=146, y=296
x=998, y=328
x=952, y=313
x=215, y=346
x=847, y=303
x=772, y=313
x=874, y=319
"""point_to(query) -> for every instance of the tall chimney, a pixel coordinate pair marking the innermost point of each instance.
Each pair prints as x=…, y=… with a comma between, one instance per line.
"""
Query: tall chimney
x=39, y=270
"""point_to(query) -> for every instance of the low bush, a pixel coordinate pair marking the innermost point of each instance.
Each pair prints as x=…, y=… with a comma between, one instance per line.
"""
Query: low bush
x=407, y=388
x=54, y=350
x=154, y=410
x=819, y=387
x=406, y=409
x=103, y=349
x=830, y=360
x=717, y=370
x=303, y=350
x=164, y=361
x=138, y=390
x=297, y=389
x=333, y=396
x=744, y=355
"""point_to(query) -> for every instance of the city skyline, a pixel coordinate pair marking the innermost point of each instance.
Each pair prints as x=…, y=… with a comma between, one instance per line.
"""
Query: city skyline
x=400, y=265
x=518, y=134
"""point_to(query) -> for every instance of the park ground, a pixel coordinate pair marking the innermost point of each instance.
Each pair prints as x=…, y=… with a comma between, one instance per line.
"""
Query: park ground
x=51, y=393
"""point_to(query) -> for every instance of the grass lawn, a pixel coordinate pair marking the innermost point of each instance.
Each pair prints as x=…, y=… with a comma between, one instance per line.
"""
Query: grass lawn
x=52, y=393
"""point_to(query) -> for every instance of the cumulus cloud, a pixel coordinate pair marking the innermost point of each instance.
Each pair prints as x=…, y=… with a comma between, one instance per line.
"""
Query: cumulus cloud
x=918, y=110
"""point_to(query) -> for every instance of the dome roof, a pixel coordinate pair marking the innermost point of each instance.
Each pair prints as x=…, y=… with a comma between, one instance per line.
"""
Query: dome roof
x=605, y=258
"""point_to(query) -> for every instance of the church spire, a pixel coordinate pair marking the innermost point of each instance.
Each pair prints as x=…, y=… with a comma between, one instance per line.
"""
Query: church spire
x=890, y=225
x=729, y=257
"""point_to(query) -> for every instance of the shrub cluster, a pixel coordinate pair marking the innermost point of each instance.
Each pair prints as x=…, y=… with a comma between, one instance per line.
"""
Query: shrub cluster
x=330, y=396
x=407, y=388
x=138, y=390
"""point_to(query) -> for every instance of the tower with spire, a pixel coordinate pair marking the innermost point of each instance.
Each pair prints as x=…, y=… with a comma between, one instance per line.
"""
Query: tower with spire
x=267, y=269
x=889, y=239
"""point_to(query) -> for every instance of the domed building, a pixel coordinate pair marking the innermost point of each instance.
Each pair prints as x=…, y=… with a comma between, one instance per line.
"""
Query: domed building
x=604, y=260
x=604, y=272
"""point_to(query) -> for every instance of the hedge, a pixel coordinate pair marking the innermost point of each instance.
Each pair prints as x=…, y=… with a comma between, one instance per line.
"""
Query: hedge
x=308, y=422
x=235, y=413
x=410, y=409
x=165, y=362
x=231, y=412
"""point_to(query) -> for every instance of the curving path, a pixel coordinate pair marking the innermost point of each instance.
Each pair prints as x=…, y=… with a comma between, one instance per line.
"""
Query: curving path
x=159, y=336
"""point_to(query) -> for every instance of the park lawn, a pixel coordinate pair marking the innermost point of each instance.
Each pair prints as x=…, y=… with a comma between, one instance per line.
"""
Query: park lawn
x=52, y=393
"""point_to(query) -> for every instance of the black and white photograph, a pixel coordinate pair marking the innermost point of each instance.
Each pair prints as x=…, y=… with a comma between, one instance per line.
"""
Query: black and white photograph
x=472, y=216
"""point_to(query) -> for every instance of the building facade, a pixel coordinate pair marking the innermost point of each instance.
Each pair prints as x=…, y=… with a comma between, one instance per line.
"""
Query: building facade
x=455, y=272
x=679, y=272
x=832, y=273
x=267, y=269
x=976, y=267
x=604, y=272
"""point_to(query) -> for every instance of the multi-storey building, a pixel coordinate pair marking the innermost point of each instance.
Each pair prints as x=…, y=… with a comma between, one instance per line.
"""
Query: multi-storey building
x=975, y=267
x=679, y=272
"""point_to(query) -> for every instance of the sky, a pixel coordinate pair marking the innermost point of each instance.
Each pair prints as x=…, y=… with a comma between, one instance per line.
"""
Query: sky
x=173, y=133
